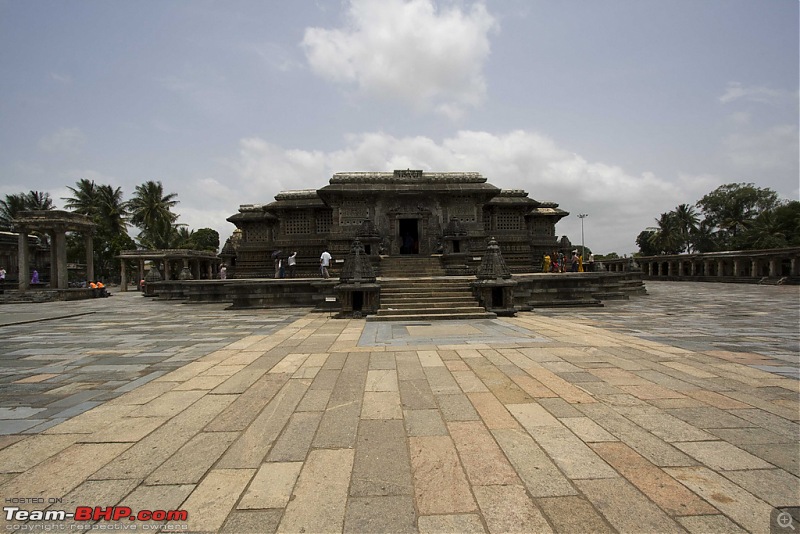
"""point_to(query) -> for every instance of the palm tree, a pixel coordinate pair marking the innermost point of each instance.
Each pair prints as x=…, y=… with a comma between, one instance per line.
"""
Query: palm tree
x=765, y=232
x=9, y=210
x=150, y=212
x=12, y=205
x=686, y=219
x=704, y=238
x=184, y=237
x=113, y=210
x=84, y=199
x=667, y=239
x=39, y=201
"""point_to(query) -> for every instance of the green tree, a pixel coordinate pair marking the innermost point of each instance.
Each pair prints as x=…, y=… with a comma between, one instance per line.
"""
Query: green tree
x=84, y=199
x=107, y=209
x=646, y=242
x=704, y=238
x=667, y=239
x=206, y=239
x=12, y=205
x=10, y=208
x=39, y=201
x=732, y=208
x=764, y=232
x=150, y=210
x=609, y=256
x=686, y=220
x=788, y=217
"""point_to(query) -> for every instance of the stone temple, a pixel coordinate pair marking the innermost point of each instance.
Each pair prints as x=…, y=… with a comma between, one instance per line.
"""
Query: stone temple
x=404, y=213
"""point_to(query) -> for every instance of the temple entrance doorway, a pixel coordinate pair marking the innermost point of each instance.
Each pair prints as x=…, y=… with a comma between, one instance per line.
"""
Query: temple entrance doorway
x=409, y=236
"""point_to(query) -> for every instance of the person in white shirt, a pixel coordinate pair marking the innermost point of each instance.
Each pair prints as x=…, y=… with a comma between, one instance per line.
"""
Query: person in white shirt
x=292, y=261
x=324, y=263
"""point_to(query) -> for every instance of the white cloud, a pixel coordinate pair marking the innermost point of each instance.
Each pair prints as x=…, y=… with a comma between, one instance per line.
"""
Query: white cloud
x=619, y=204
x=764, y=95
x=407, y=51
x=772, y=149
x=67, y=141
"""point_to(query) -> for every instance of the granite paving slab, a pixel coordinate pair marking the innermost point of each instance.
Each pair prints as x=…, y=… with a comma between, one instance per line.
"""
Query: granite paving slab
x=670, y=412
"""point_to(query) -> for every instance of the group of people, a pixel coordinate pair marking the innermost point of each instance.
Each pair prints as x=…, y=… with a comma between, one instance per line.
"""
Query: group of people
x=287, y=267
x=281, y=264
x=557, y=262
x=99, y=289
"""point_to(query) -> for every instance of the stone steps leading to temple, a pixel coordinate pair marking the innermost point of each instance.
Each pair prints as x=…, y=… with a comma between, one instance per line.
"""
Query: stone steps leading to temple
x=414, y=298
x=428, y=303
x=422, y=315
x=410, y=266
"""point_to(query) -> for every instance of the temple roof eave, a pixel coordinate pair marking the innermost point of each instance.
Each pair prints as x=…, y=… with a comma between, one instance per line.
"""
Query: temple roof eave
x=252, y=216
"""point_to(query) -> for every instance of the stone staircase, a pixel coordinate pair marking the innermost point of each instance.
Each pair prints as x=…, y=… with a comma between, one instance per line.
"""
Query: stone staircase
x=416, y=289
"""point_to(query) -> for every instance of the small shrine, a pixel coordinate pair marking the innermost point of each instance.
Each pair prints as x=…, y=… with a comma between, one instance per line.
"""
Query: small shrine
x=494, y=287
x=358, y=291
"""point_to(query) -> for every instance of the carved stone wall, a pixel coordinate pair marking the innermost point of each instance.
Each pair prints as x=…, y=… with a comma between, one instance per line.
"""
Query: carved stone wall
x=407, y=210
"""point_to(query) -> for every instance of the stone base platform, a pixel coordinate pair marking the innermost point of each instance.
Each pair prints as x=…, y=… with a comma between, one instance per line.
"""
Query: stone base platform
x=533, y=290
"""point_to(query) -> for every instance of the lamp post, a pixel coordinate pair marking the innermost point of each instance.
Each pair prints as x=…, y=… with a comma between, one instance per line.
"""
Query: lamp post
x=582, y=216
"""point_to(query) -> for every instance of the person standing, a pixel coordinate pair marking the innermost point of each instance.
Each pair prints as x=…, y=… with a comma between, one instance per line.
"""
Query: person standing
x=324, y=263
x=591, y=263
x=574, y=261
x=546, y=264
x=223, y=273
x=292, y=261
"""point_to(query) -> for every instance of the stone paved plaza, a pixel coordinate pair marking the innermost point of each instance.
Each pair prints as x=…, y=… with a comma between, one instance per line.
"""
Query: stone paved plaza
x=676, y=411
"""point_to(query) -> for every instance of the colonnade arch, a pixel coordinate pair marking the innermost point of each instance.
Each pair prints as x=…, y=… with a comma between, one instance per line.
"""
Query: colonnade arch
x=771, y=263
x=55, y=223
x=172, y=264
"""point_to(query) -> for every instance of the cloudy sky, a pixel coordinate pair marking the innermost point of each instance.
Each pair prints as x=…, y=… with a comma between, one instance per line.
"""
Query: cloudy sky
x=620, y=109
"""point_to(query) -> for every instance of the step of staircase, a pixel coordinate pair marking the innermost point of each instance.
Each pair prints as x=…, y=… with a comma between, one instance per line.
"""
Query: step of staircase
x=483, y=314
x=417, y=289
x=410, y=266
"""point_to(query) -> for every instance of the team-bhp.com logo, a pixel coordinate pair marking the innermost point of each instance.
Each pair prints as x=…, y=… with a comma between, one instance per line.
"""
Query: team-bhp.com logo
x=96, y=513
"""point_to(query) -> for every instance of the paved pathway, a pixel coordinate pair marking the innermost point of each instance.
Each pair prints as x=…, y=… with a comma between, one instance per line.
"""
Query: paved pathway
x=625, y=418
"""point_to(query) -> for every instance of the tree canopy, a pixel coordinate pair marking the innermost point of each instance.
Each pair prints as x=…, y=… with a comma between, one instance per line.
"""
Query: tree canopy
x=737, y=216
x=12, y=205
x=149, y=209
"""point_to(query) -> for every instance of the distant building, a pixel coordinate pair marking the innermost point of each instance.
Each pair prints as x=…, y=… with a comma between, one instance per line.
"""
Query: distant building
x=405, y=212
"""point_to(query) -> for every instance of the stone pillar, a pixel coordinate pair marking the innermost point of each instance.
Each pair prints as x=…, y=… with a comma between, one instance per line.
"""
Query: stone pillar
x=720, y=268
x=670, y=269
x=89, y=244
x=795, y=266
x=736, y=267
x=754, y=267
x=693, y=268
x=773, y=267
x=167, y=270
x=123, y=278
x=24, y=267
x=61, y=251
x=210, y=270
x=141, y=272
x=53, y=260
